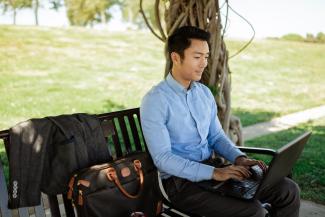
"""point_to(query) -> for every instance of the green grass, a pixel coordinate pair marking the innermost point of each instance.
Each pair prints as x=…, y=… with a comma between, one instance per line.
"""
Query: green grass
x=273, y=77
x=49, y=71
x=309, y=170
x=54, y=71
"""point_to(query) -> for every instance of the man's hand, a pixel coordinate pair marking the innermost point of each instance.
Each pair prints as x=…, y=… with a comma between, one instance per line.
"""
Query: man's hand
x=232, y=171
x=247, y=162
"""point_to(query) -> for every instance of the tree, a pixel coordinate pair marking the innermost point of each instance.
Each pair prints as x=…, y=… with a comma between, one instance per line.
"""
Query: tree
x=15, y=5
x=310, y=37
x=131, y=12
x=86, y=12
x=204, y=14
x=293, y=37
x=320, y=37
x=35, y=8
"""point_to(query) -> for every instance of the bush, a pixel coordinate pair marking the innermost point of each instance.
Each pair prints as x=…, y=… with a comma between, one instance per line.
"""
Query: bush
x=310, y=38
x=319, y=38
x=293, y=37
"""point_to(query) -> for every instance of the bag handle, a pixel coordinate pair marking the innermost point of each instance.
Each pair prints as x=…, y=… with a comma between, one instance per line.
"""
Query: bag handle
x=112, y=176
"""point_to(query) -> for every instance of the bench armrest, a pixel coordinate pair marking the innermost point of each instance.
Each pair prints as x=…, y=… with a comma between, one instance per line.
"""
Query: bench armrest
x=265, y=151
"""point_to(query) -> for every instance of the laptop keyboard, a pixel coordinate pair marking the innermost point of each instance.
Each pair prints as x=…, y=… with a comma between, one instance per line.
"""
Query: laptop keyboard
x=246, y=188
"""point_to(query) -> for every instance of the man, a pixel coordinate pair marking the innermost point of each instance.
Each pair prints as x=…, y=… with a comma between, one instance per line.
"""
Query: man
x=181, y=128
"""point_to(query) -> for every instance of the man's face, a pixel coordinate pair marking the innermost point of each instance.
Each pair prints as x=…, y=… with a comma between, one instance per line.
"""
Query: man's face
x=191, y=67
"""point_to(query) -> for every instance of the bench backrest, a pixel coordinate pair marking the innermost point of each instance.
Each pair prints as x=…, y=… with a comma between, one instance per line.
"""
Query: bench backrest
x=123, y=132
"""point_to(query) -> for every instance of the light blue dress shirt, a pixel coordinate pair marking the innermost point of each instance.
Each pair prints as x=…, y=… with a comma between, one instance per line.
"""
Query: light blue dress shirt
x=181, y=129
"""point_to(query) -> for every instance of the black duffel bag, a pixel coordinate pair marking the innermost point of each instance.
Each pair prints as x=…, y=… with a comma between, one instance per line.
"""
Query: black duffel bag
x=126, y=187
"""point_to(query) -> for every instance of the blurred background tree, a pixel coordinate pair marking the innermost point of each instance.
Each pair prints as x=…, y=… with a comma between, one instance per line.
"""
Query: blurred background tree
x=131, y=12
x=15, y=5
x=88, y=12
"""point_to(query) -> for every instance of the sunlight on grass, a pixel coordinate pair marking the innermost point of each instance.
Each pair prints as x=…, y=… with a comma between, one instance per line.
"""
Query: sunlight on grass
x=49, y=71
x=278, y=76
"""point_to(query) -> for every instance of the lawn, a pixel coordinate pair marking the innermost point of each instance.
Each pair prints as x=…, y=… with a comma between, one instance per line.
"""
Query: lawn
x=272, y=78
x=54, y=71
x=49, y=71
x=309, y=170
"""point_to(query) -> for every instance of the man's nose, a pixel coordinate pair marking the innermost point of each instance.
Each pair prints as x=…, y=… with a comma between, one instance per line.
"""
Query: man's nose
x=203, y=63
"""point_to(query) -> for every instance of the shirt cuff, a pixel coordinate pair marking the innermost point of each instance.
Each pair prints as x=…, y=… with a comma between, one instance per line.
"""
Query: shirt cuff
x=205, y=172
x=236, y=154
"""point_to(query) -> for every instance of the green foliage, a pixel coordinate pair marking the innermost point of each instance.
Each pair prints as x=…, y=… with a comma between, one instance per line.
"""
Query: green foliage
x=310, y=38
x=319, y=38
x=293, y=37
x=131, y=12
x=56, y=4
x=15, y=4
x=86, y=12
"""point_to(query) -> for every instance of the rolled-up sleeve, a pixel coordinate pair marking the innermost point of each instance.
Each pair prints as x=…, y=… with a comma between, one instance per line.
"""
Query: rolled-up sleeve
x=154, y=115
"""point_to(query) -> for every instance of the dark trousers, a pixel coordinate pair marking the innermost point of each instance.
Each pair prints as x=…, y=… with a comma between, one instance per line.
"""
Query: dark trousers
x=185, y=195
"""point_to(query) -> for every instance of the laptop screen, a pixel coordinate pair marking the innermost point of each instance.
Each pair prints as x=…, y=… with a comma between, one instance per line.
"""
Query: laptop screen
x=283, y=161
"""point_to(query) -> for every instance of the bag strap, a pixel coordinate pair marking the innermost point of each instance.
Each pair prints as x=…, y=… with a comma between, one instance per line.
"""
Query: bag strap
x=112, y=176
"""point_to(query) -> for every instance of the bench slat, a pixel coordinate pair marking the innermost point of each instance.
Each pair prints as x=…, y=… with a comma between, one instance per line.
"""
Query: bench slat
x=69, y=212
x=23, y=212
x=54, y=206
x=39, y=210
x=116, y=141
x=125, y=134
x=172, y=212
x=134, y=131
x=143, y=140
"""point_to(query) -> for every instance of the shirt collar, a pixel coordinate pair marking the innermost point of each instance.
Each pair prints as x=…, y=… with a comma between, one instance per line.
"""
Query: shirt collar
x=177, y=87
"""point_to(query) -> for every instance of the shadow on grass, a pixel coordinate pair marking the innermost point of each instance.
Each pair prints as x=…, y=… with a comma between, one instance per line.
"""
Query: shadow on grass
x=110, y=106
x=113, y=106
x=253, y=117
x=309, y=170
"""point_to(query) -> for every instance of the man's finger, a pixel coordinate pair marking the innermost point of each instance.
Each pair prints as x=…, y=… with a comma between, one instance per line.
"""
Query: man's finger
x=236, y=177
x=241, y=170
x=262, y=165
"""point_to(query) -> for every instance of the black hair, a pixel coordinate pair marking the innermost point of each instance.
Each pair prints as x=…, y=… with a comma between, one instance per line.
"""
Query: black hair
x=180, y=39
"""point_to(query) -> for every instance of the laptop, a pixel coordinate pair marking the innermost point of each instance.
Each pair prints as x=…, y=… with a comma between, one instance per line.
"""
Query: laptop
x=280, y=166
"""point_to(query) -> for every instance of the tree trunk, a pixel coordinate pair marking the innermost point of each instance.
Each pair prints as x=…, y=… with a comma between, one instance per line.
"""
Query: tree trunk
x=36, y=6
x=14, y=16
x=204, y=14
x=103, y=17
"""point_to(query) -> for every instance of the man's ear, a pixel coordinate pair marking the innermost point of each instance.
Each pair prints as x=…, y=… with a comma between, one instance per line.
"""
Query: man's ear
x=175, y=57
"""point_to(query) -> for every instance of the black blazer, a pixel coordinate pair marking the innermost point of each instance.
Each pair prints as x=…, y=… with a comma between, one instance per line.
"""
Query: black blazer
x=44, y=153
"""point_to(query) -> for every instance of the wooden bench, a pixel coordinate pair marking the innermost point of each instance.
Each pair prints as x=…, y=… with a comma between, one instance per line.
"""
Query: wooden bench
x=124, y=134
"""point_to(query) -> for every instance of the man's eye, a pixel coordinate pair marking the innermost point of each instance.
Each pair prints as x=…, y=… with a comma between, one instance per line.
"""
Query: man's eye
x=197, y=57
